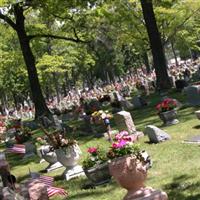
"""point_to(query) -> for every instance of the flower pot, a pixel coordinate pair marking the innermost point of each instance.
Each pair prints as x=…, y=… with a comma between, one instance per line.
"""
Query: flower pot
x=131, y=174
x=98, y=175
x=68, y=157
x=169, y=117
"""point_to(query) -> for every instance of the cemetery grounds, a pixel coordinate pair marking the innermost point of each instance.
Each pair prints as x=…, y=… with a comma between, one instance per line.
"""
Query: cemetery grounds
x=175, y=167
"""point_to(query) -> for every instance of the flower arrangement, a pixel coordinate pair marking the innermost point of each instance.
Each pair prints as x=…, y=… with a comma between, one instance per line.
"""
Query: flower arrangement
x=57, y=140
x=123, y=145
x=166, y=105
x=100, y=115
x=96, y=157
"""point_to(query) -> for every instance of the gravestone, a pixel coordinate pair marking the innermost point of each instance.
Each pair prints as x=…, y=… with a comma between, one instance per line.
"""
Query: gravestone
x=30, y=149
x=193, y=139
x=172, y=81
x=57, y=122
x=136, y=102
x=155, y=134
x=37, y=190
x=180, y=84
x=193, y=95
x=126, y=105
x=124, y=121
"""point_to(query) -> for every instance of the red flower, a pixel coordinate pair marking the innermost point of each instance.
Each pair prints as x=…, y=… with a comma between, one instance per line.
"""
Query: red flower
x=92, y=150
x=166, y=105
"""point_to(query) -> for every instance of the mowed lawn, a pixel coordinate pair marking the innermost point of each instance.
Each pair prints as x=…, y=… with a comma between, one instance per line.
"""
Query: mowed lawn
x=175, y=169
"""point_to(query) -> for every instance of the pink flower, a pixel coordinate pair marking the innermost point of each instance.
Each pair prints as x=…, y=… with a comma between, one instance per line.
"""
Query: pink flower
x=115, y=145
x=120, y=144
x=92, y=150
x=121, y=135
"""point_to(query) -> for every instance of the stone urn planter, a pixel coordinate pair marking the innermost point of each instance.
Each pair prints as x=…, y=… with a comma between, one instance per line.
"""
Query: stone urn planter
x=131, y=173
x=69, y=157
x=50, y=156
x=169, y=117
x=99, y=174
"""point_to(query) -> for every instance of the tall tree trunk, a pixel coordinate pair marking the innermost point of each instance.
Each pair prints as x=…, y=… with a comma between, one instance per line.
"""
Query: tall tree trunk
x=174, y=52
x=55, y=80
x=163, y=81
x=146, y=61
x=41, y=108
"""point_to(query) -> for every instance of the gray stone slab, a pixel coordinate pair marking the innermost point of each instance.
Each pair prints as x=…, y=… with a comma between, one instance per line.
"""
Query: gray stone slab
x=193, y=139
x=193, y=95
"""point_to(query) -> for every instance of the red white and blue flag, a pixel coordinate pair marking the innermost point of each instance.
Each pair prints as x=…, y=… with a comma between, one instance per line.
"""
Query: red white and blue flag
x=17, y=148
x=48, y=181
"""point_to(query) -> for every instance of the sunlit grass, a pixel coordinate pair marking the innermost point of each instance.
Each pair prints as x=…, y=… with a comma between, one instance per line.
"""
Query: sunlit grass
x=175, y=168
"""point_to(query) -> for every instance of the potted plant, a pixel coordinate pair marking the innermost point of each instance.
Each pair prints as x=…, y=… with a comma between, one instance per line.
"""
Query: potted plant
x=129, y=167
x=167, y=111
x=68, y=153
x=96, y=166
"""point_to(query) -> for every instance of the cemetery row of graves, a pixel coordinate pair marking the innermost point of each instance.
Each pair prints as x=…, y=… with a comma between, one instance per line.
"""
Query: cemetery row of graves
x=107, y=153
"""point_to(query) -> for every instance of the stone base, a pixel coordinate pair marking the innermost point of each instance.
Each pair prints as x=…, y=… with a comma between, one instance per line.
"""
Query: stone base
x=54, y=166
x=139, y=134
x=76, y=171
x=173, y=122
x=146, y=194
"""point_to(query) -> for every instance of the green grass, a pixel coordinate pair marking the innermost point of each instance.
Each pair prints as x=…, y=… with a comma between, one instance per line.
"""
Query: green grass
x=175, y=168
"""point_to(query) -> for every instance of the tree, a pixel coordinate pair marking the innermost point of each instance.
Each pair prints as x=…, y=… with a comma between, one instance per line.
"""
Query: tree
x=18, y=24
x=159, y=61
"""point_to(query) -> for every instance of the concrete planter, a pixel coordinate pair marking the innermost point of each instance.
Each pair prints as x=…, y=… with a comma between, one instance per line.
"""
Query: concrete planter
x=131, y=173
x=69, y=159
x=169, y=117
x=98, y=175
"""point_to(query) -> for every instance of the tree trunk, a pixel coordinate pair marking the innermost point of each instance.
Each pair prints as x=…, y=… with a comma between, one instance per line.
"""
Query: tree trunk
x=163, y=81
x=174, y=52
x=146, y=61
x=41, y=108
x=55, y=80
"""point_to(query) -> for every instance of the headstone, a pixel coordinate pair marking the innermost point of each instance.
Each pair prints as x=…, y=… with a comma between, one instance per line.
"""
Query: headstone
x=193, y=95
x=57, y=122
x=155, y=134
x=30, y=149
x=193, y=140
x=124, y=121
x=117, y=96
x=172, y=80
x=126, y=105
x=180, y=84
x=136, y=102
x=37, y=190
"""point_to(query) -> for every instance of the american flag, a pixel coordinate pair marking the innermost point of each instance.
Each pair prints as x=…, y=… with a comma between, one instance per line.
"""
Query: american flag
x=48, y=181
x=54, y=190
x=17, y=148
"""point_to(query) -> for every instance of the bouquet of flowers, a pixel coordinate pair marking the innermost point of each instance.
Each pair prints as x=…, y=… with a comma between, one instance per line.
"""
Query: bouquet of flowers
x=99, y=116
x=123, y=145
x=57, y=140
x=166, y=105
x=96, y=157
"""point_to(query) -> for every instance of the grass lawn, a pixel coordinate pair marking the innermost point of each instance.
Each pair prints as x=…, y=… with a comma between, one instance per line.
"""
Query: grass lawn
x=175, y=164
